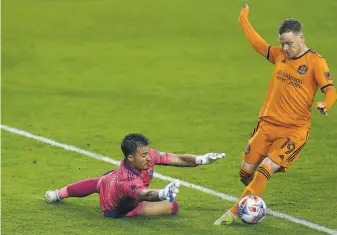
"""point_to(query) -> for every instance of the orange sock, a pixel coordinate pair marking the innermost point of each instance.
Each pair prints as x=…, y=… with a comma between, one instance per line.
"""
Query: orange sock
x=257, y=186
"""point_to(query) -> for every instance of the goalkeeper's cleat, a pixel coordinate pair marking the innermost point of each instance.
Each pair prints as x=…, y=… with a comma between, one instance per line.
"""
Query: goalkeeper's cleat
x=225, y=219
x=52, y=196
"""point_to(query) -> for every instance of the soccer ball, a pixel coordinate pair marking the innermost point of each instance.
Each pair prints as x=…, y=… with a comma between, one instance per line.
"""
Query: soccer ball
x=251, y=209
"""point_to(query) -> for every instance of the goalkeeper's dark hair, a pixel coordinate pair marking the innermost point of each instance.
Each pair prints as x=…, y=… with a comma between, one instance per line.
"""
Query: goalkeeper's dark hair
x=131, y=142
x=290, y=25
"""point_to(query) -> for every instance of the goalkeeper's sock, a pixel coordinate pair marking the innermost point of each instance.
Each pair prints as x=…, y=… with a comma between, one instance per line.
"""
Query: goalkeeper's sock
x=175, y=208
x=81, y=188
x=246, y=176
x=257, y=186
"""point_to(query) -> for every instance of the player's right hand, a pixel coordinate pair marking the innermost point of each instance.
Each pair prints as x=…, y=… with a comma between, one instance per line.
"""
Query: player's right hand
x=170, y=191
x=322, y=108
x=244, y=12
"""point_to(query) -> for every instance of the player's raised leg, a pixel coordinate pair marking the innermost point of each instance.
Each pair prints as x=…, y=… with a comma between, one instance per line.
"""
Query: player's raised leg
x=258, y=146
x=282, y=154
x=256, y=187
x=81, y=188
x=259, y=182
x=256, y=150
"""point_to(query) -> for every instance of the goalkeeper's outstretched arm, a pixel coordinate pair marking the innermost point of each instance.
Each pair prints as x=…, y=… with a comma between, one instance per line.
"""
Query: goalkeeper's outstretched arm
x=189, y=160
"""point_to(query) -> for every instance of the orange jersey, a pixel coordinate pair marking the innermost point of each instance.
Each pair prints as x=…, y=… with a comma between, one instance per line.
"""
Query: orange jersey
x=293, y=84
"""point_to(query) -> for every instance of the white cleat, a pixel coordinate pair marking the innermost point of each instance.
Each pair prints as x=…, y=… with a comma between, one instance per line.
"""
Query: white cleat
x=52, y=196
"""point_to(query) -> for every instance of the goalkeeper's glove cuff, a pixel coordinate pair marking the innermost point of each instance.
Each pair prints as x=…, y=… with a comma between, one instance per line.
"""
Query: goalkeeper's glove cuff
x=200, y=160
x=162, y=195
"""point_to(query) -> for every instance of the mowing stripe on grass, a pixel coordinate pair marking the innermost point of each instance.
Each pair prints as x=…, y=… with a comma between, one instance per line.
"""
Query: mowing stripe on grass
x=163, y=177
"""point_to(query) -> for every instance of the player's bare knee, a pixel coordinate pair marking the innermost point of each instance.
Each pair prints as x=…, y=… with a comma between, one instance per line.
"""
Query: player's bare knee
x=271, y=164
x=247, y=172
x=175, y=208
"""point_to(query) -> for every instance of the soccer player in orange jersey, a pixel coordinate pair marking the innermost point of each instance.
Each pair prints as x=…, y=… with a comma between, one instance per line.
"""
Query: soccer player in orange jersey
x=284, y=119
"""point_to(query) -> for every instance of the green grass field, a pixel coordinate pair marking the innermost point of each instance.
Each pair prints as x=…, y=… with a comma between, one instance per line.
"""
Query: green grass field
x=87, y=72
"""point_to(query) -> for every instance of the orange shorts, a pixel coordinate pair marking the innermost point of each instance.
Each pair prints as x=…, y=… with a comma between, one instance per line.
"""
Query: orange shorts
x=281, y=144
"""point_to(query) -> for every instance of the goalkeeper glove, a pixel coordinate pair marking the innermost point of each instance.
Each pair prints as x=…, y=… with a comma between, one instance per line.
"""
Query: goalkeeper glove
x=170, y=191
x=209, y=158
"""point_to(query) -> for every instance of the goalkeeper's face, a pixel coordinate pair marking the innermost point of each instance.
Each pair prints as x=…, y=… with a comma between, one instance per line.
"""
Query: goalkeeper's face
x=141, y=159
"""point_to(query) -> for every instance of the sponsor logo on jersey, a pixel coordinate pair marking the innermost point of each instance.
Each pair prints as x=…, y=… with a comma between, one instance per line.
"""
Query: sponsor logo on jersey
x=288, y=79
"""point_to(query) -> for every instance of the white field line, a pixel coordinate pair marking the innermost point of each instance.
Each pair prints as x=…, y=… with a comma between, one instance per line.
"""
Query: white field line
x=163, y=177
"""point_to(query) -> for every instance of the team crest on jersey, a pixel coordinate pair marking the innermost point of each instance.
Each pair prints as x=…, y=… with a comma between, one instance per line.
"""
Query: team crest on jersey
x=303, y=69
x=328, y=75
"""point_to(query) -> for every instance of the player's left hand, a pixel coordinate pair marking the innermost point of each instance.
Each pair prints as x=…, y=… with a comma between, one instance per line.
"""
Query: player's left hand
x=322, y=108
x=209, y=158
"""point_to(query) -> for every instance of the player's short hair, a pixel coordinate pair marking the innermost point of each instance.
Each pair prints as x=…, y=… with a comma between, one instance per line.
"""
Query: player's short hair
x=131, y=142
x=290, y=25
